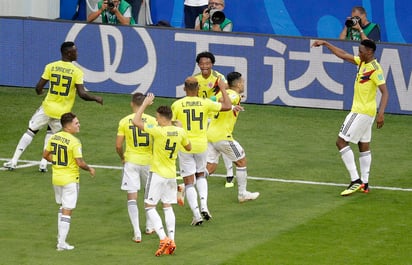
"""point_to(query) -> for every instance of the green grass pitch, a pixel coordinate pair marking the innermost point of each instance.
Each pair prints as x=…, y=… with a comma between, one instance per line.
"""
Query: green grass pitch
x=299, y=217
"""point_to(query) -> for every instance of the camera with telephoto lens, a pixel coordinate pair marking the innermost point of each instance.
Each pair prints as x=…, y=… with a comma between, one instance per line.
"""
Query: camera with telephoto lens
x=110, y=4
x=216, y=16
x=352, y=21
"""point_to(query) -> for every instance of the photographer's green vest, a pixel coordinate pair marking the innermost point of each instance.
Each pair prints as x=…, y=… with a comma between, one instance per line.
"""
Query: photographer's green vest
x=207, y=25
x=355, y=35
x=110, y=18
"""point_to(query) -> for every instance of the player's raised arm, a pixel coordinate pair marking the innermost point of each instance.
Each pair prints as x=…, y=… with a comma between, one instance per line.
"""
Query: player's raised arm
x=335, y=50
x=226, y=103
x=137, y=119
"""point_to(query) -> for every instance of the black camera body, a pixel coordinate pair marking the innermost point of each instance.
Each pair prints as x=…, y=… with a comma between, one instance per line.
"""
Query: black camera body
x=352, y=21
x=110, y=4
x=216, y=16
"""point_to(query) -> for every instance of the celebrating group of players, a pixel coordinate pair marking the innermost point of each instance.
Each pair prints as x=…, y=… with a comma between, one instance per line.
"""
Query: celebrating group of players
x=197, y=129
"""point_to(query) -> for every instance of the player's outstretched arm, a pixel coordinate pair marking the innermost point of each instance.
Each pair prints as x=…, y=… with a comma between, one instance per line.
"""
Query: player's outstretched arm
x=335, y=50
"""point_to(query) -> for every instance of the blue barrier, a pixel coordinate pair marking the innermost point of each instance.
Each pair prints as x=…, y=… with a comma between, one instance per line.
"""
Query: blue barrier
x=279, y=70
x=323, y=18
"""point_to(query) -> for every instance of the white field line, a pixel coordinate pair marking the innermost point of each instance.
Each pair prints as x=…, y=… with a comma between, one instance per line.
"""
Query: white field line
x=29, y=163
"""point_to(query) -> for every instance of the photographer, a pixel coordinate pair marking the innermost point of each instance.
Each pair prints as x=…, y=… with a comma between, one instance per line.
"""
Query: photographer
x=357, y=27
x=213, y=18
x=112, y=12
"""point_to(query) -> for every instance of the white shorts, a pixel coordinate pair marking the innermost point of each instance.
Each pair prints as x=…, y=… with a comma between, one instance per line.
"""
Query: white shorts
x=189, y=164
x=232, y=149
x=160, y=188
x=67, y=195
x=40, y=119
x=357, y=128
x=134, y=176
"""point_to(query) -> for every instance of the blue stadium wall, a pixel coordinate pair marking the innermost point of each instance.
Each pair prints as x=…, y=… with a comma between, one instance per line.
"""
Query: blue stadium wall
x=320, y=18
x=279, y=70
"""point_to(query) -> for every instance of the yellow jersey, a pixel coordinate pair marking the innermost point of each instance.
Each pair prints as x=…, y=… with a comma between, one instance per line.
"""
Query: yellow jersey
x=209, y=86
x=168, y=140
x=193, y=113
x=65, y=148
x=138, y=143
x=368, y=78
x=222, y=123
x=62, y=76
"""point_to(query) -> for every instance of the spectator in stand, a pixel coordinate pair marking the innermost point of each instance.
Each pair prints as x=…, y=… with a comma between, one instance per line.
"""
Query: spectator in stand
x=192, y=9
x=207, y=22
x=112, y=12
x=358, y=27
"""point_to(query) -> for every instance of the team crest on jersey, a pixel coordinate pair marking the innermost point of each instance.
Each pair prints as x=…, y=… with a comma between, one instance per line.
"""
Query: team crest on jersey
x=150, y=126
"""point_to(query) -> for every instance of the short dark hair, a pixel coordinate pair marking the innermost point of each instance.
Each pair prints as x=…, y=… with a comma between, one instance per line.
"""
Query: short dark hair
x=66, y=46
x=369, y=44
x=360, y=9
x=206, y=55
x=233, y=77
x=165, y=111
x=67, y=118
x=191, y=83
x=138, y=98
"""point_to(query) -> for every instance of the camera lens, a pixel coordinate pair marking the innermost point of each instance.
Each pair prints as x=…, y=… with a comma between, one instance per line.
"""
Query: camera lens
x=352, y=21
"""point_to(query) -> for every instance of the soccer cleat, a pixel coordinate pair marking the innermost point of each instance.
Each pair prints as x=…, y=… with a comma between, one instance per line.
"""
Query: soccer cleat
x=206, y=215
x=181, y=194
x=197, y=221
x=43, y=168
x=64, y=246
x=354, y=186
x=136, y=239
x=149, y=231
x=9, y=165
x=171, y=249
x=364, y=188
x=229, y=182
x=248, y=196
x=163, y=245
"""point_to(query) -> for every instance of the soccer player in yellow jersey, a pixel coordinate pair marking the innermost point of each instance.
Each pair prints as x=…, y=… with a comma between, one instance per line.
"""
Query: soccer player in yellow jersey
x=65, y=80
x=64, y=151
x=208, y=80
x=161, y=184
x=136, y=159
x=219, y=135
x=193, y=112
x=357, y=127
